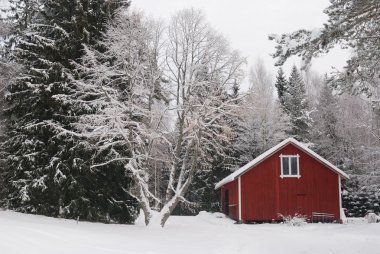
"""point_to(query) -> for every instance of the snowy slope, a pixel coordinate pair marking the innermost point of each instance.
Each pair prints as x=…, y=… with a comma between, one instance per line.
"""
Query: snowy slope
x=205, y=233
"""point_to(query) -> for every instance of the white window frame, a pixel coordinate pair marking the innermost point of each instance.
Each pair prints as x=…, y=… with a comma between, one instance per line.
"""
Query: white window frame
x=290, y=168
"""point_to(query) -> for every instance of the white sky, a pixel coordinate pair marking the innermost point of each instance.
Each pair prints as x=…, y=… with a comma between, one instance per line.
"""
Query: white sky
x=247, y=23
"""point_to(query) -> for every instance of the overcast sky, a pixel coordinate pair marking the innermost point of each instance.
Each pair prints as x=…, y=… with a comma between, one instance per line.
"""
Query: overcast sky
x=247, y=23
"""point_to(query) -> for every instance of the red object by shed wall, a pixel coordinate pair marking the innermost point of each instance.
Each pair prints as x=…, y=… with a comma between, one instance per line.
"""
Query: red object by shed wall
x=265, y=195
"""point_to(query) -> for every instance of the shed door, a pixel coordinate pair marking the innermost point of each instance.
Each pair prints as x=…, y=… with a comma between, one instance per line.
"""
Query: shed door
x=226, y=203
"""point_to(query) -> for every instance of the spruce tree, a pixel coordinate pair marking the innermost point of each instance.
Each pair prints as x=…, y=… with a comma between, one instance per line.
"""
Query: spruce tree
x=296, y=106
x=48, y=170
x=281, y=86
x=358, y=199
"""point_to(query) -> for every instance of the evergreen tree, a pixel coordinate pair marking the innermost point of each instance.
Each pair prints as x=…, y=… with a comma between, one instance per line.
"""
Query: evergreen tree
x=325, y=135
x=48, y=172
x=237, y=125
x=357, y=199
x=281, y=86
x=296, y=106
x=8, y=70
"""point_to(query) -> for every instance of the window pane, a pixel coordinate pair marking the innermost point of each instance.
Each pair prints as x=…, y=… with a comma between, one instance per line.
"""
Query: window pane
x=285, y=165
x=294, y=165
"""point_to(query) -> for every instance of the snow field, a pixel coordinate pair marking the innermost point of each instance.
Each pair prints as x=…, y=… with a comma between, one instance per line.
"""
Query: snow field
x=205, y=233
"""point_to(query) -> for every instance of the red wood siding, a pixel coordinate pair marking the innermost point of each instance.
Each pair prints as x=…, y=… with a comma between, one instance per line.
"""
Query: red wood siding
x=265, y=194
x=232, y=188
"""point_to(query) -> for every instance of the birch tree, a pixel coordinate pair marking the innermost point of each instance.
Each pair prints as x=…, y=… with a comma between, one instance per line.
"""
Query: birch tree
x=200, y=68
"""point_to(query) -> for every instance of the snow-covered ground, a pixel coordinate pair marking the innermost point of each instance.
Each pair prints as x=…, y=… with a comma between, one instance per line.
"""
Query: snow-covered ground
x=205, y=233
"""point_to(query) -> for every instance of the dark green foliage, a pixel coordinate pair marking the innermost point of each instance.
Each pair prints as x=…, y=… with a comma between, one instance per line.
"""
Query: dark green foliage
x=49, y=168
x=202, y=191
x=281, y=86
x=357, y=200
x=296, y=106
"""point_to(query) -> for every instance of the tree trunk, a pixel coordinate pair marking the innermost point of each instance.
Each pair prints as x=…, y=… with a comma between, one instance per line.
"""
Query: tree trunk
x=159, y=219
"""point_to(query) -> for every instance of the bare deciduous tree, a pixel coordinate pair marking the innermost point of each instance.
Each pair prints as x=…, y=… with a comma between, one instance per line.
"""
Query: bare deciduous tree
x=265, y=123
x=173, y=121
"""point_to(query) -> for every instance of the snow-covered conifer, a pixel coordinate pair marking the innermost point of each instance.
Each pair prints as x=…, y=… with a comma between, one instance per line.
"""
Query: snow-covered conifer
x=281, y=86
x=47, y=172
x=296, y=106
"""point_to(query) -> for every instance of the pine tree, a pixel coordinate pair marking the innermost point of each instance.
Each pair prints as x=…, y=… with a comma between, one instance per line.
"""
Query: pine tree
x=48, y=172
x=281, y=86
x=296, y=106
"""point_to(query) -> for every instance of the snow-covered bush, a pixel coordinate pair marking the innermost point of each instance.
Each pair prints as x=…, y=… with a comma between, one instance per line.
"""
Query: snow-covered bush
x=294, y=221
x=371, y=217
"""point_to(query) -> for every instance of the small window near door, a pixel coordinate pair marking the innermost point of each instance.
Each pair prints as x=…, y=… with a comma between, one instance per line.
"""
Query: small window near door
x=290, y=166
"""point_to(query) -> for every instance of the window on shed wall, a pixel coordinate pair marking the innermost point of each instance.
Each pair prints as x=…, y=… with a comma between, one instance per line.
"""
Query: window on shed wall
x=290, y=166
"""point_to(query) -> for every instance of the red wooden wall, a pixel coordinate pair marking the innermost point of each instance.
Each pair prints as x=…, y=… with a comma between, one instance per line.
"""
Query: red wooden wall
x=265, y=194
x=232, y=188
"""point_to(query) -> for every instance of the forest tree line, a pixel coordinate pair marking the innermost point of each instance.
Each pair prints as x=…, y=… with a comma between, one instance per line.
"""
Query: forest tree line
x=106, y=112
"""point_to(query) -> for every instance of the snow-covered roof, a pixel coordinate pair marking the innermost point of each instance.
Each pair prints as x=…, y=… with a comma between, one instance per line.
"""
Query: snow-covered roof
x=271, y=151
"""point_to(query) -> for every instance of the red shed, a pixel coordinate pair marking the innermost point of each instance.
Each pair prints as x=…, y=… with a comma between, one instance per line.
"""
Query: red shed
x=287, y=179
